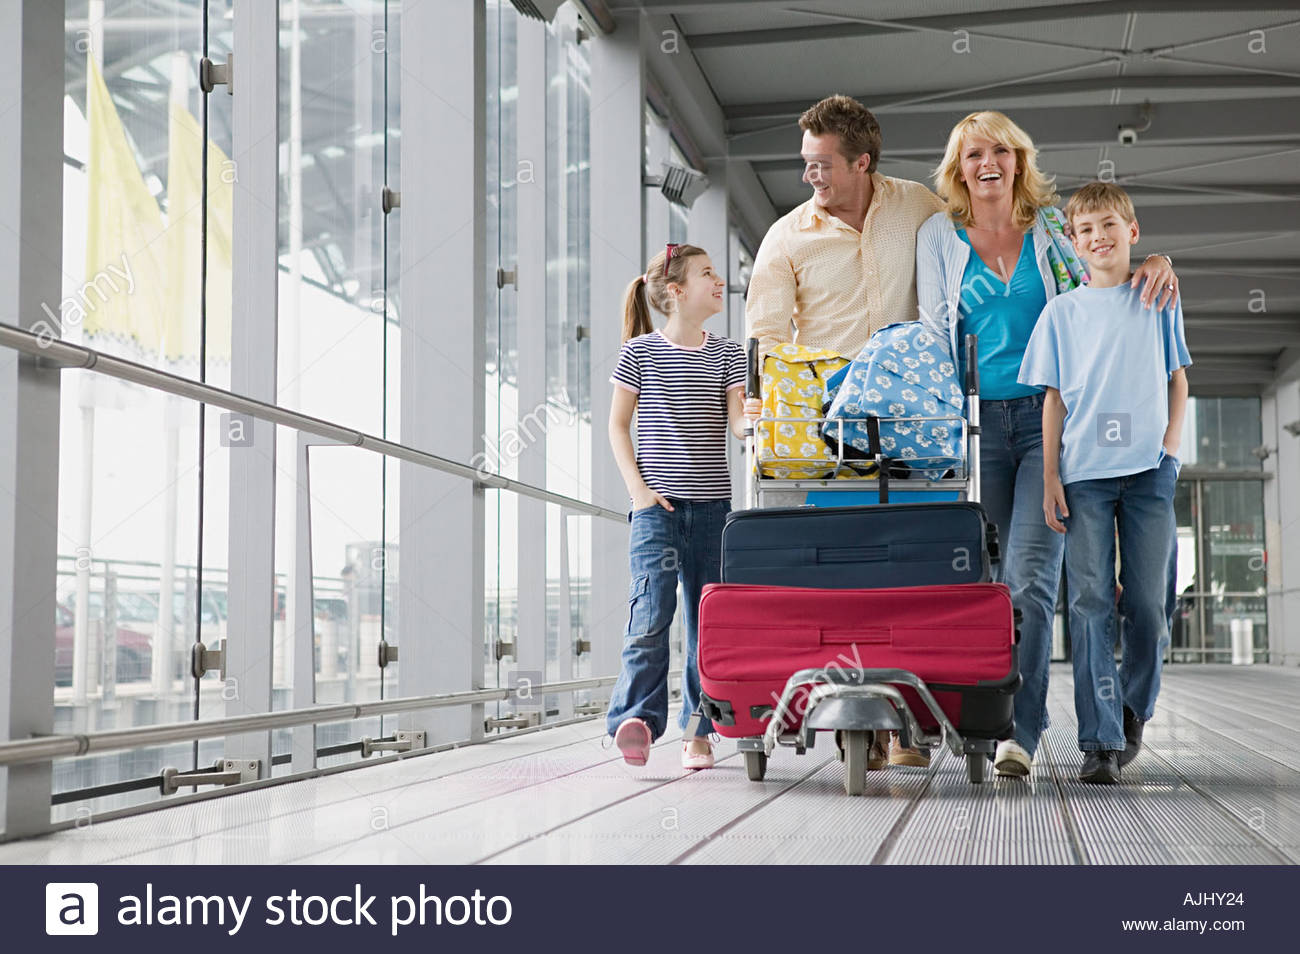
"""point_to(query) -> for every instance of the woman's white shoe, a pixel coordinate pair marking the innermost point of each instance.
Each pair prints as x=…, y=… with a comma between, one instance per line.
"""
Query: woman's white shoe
x=1011, y=759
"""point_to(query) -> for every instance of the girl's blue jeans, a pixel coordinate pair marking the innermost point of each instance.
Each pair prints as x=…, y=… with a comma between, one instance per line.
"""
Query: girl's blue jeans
x=665, y=547
x=1011, y=473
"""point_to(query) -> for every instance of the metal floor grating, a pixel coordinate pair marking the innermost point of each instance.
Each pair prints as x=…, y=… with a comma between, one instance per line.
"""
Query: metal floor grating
x=1218, y=782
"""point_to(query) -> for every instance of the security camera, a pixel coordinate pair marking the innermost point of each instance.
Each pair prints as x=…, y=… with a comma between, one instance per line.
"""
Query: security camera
x=1128, y=135
x=679, y=185
x=1292, y=428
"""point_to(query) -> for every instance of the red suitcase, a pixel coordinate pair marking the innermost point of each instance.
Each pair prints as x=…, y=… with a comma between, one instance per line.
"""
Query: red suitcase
x=959, y=640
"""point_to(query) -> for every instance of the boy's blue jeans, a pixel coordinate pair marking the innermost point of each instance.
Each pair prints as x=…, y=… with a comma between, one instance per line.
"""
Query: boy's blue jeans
x=1141, y=507
x=1011, y=471
x=664, y=547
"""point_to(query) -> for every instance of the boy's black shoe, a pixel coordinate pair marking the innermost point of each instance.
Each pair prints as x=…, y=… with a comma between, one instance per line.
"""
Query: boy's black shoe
x=1132, y=737
x=1100, y=767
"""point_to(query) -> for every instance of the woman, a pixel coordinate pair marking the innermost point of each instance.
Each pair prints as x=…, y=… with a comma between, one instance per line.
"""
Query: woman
x=987, y=266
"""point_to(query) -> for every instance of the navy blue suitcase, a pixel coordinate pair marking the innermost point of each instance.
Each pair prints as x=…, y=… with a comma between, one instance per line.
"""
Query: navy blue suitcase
x=871, y=547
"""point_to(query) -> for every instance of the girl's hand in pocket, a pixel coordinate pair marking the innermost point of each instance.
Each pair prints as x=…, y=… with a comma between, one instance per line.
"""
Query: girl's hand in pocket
x=647, y=498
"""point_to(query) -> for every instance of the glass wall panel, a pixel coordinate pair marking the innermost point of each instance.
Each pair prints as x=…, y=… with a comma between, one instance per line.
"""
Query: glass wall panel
x=338, y=354
x=1237, y=608
x=134, y=588
x=568, y=348
x=350, y=564
x=1222, y=434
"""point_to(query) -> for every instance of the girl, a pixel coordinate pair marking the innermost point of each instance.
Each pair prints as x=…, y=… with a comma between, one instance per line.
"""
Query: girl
x=685, y=386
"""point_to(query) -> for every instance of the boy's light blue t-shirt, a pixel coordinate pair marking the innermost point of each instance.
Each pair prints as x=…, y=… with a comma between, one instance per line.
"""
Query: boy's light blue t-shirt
x=1111, y=360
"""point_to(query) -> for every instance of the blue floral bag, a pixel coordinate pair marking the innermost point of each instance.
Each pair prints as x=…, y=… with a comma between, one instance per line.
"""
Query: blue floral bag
x=903, y=372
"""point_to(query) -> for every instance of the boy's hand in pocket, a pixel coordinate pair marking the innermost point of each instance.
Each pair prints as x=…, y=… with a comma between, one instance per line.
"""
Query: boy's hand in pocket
x=1054, y=503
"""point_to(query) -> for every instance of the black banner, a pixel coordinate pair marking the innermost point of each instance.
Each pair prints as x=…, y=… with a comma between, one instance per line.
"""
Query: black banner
x=348, y=908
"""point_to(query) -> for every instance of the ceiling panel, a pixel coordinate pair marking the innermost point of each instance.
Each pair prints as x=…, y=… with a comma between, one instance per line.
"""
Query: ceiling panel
x=1229, y=244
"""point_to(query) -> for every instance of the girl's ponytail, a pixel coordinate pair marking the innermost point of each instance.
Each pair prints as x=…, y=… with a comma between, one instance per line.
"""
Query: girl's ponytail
x=636, y=311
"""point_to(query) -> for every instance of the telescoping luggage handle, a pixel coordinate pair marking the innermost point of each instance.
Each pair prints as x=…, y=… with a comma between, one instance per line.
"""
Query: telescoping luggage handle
x=972, y=419
x=753, y=386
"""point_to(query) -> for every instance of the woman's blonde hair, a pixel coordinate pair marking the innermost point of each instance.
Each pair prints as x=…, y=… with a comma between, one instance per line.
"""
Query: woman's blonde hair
x=1032, y=189
x=651, y=289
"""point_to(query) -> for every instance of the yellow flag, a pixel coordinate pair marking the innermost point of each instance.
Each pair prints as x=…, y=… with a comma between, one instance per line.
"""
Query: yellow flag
x=124, y=297
x=184, y=227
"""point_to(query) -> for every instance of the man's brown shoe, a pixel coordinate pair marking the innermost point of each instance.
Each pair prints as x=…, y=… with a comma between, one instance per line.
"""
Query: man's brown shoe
x=878, y=756
x=901, y=756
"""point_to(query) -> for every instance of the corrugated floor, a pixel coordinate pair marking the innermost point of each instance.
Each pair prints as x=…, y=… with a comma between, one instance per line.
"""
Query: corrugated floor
x=1218, y=782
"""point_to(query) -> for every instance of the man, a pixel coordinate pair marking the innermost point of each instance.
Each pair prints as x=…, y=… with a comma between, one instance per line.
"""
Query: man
x=843, y=264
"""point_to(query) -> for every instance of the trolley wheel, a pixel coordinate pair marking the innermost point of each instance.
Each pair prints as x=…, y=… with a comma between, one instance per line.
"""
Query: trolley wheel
x=755, y=766
x=857, y=742
x=976, y=765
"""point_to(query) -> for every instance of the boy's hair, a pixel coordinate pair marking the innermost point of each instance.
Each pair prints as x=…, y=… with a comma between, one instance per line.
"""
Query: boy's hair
x=1033, y=189
x=847, y=118
x=1100, y=196
x=651, y=289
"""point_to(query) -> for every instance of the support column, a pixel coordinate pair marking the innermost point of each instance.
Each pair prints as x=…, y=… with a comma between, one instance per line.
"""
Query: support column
x=1282, y=521
x=31, y=253
x=617, y=149
x=253, y=346
x=443, y=256
x=708, y=228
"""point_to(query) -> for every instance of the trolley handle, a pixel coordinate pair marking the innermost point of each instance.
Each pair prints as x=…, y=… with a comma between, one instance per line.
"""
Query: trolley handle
x=753, y=386
x=751, y=368
x=972, y=365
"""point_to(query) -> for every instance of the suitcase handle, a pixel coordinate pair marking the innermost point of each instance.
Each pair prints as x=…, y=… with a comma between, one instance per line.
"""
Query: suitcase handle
x=972, y=365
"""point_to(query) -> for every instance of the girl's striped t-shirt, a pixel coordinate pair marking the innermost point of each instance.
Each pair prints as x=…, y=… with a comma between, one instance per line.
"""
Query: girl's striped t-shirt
x=681, y=412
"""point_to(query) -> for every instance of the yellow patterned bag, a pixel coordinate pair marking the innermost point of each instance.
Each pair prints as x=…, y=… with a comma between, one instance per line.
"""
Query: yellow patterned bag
x=794, y=386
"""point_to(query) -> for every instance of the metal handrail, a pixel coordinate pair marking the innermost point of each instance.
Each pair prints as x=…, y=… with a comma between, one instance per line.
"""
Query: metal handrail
x=45, y=748
x=65, y=355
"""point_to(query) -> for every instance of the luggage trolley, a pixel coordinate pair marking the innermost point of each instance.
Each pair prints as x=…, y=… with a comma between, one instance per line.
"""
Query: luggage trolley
x=855, y=702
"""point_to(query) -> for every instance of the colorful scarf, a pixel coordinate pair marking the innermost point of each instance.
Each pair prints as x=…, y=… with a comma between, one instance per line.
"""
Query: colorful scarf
x=1068, y=269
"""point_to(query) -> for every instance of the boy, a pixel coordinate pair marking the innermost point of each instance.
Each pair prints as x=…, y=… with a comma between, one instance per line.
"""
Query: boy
x=1112, y=420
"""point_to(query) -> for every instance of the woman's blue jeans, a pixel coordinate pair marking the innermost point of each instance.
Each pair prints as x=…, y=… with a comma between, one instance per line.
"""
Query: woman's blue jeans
x=1011, y=474
x=664, y=547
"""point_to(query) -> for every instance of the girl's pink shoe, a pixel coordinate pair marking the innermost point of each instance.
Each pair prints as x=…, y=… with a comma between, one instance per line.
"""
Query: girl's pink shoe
x=696, y=760
x=633, y=740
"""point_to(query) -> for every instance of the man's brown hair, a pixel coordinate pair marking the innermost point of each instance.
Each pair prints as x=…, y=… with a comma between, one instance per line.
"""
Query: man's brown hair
x=847, y=118
x=1100, y=196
